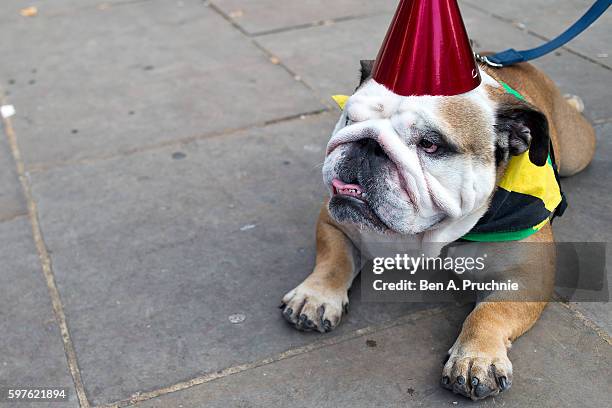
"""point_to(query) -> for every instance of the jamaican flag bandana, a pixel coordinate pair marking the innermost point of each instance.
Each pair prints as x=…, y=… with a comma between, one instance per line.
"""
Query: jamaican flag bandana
x=527, y=196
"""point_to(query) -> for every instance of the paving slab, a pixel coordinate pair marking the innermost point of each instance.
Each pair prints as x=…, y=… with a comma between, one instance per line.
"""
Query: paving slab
x=136, y=75
x=589, y=219
x=153, y=252
x=32, y=353
x=10, y=11
x=588, y=194
x=327, y=57
x=12, y=202
x=401, y=366
x=257, y=17
x=550, y=18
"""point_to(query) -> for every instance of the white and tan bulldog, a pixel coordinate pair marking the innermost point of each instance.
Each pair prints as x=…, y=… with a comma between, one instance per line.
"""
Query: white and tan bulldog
x=424, y=168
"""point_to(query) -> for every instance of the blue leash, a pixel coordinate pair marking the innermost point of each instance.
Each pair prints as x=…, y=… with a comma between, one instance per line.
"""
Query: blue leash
x=512, y=56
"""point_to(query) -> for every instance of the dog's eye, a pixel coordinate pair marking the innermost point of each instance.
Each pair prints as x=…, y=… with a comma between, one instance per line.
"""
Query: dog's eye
x=348, y=121
x=428, y=146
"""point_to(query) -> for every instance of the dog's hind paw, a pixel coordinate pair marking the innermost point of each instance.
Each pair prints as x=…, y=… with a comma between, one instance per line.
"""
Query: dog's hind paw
x=575, y=101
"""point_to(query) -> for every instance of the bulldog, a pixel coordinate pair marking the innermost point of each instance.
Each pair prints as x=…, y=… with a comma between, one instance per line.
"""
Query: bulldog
x=424, y=169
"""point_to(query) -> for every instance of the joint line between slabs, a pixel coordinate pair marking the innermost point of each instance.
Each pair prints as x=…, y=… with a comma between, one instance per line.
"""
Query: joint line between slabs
x=45, y=260
x=206, y=378
x=44, y=167
x=266, y=52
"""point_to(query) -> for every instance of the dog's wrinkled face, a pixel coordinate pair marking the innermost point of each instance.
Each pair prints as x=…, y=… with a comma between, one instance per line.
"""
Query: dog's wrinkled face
x=410, y=164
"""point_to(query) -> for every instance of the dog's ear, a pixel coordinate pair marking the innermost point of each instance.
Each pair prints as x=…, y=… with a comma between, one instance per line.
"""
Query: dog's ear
x=366, y=70
x=520, y=127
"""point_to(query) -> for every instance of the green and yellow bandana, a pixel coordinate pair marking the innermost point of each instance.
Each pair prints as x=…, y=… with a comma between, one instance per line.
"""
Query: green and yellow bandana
x=527, y=196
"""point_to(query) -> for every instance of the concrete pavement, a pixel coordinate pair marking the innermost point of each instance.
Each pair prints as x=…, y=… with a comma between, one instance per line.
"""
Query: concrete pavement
x=148, y=192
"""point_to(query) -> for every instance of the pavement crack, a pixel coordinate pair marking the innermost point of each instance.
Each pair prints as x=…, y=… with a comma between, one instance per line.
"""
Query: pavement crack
x=265, y=51
x=602, y=121
x=42, y=168
x=599, y=331
x=317, y=23
x=13, y=217
x=45, y=260
x=326, y=342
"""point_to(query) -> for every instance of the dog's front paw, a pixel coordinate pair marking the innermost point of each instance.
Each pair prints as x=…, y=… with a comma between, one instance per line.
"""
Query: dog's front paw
x=477, y=374
x=313, y=306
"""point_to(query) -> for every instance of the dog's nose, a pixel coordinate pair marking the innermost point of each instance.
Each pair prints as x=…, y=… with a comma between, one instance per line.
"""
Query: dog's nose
x=371, y=147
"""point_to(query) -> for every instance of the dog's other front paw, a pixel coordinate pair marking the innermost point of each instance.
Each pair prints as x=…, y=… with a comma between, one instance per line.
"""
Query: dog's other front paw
x=313, y=306
x=477, y=374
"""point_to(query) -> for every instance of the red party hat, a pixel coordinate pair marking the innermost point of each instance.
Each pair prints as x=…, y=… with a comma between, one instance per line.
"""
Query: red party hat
x=427, y=51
